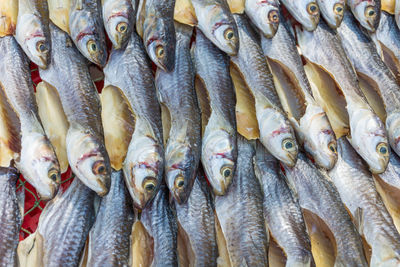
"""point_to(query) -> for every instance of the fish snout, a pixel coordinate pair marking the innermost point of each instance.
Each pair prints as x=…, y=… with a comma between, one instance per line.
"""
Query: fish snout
x=51, y=191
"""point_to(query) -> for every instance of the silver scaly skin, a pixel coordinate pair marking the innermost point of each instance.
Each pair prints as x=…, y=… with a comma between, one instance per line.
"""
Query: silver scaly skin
x=332, y=11
x=276, y=132
x=317, y=195
x=196, y=220
x=177, y=93
x=37, y=160
x=309, y=120
x=323, y=48
x=64, y=225
x=362, y=53
x=264, y=14
x=32, y=31
x=10, y=217
x=160, y=223
x=87, y=30
x=217, y=101
x=69, y=74
x=367, y=12
x=119, y=20
x=357, y=190
x=281, y=208
x=109, y=237
x=144, y=163
x=306, y=12
x=240, y=213
x=216, y=22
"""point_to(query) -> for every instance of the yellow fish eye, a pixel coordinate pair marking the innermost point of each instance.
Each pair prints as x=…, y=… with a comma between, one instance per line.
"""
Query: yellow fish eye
x=226, y=171
x=370, y=12
x=149, y=184
x=288, y=145
x=338, y=9
x=312, y=9
x=122, y=27
x=229, y=34
x=41, y=47
x=53, y=175
x=382, y=149
x=91, y=46
x=99, y=167
x=332, y=147
x=273, y=16
x=179, y=181
x=160, y=51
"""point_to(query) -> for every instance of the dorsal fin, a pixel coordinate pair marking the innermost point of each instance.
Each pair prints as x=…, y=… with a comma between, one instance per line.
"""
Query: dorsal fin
x=236, y=6
x=59, y=13
x=8, y=17
x=184, y=12
x=388, y=6
x=204, y=102
x=140, y=16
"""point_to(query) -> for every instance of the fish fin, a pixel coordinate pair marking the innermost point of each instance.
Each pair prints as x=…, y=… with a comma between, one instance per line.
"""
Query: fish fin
x=223, y=254
x=204, y=102
x=359, y=220
x=118, y=124
x=184, y=12
x=21, y=201
x=165, y=117
x=390, y=60
x=10, y=138
x=140, y=17
x=236, y=6
x=246, y=118
x=59, y=13
x=85, y=253
x=141, y=246
x=79, y=4
x=8, y=17
x=388, y=6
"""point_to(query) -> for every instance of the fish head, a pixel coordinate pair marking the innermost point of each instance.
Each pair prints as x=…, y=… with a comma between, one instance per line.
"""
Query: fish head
x=219, y=154
x=31, y=36
x=217, y=23
x=118, y=22
x=89, y=160
x=368, y=137
x=277, y=135
x=38, y=163
x=305, y=12
x=332, y=11
x=393, y=129
x=143, y=169
x=265, y=15
x=367, y=12
x=180, y=170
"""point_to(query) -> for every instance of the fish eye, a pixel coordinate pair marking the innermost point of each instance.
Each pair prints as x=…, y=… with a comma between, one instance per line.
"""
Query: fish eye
x=41, y=47
x=149, y=184
x=179, y=181
x=382, y=149
x=122, y=27
x=288, y=145
x=53, y=175
x=229, y=34
x=338, y=9
x=273, y=16
x=160, y=51
x=99, y=167
x=91, y=46
x=312, y=8
x=226, y=171
x=370, y=12
x=332, y=147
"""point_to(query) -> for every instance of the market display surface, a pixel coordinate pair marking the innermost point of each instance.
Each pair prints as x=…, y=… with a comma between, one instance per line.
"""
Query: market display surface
x=199, y=133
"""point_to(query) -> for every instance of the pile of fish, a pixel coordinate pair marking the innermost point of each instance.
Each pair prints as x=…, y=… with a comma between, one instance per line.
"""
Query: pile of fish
x=268, y=134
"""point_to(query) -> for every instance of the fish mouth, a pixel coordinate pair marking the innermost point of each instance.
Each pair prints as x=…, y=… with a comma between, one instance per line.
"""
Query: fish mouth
x=51, y=193
x=101, y=188
x=290, y=159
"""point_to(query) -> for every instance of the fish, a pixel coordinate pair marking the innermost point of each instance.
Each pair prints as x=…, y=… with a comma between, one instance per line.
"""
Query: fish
x=182, y=124
x=10, y=217
x=323, y=50
x=309, y=120
x=378, y=82
x=332, y=11
x=119, y=20
x=8, y=17
x=197, y=244
x=59, y=13
x=144, y=163
x=109, y=236
x=397, y=13
x=36, y=159
x=318, y=196
x=276, y=132
x=357, y=190
x=32, y=31
x=64, y=225
x=216, y=22
x=87, y=30
x=216, y=98
x=155, y=24
x=69, y=74
x=159, y=221
x=239, y=214
x=367, y=12
x=264, y=15
x=306, y=12
x=281, y=208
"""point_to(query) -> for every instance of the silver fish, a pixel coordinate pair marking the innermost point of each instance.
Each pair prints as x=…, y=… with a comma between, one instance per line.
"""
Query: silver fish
x=276, y=132
x=240, y=215
x=87, y=30
x=281, y=208
x=69, y=74
x=129, y=70
x=196, y=226
x=264, y=15
x=177, y=95
x=357, y=190
x=37, y=160
x=309, y=120
x=367, y=12
x=10, y=217
x=332, y=11
x=318, y=196
x=304, y=11
x=217, y=102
